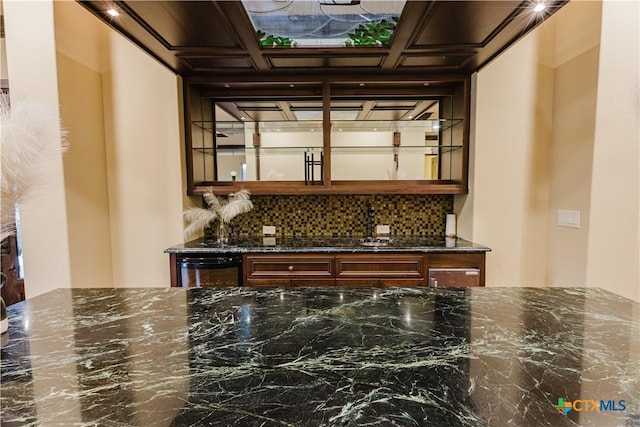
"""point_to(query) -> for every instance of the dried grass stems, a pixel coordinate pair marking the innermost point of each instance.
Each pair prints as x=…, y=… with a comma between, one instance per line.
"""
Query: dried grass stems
x=217, y=211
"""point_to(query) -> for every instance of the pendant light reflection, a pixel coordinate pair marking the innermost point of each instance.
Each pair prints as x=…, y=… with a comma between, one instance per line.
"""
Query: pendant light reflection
x=539, y=7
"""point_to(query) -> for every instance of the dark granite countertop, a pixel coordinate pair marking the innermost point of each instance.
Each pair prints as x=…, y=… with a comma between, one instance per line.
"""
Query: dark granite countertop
x=326, y=244
x=322, y=357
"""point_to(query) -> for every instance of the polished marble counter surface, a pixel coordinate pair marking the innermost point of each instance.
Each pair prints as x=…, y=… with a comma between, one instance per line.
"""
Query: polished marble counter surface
x=322, y=357
x=327, y=244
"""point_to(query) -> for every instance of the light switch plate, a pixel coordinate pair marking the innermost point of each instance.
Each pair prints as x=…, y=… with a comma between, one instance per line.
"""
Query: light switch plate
x=269, y=241
x=268, y=230
x=568, y=218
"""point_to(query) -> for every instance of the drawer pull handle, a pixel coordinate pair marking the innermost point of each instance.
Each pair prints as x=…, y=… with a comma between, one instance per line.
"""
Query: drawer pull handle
x=291, y=268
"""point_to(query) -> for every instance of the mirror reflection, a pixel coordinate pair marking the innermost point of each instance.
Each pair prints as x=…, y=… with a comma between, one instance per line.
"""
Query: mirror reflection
x=282, y=140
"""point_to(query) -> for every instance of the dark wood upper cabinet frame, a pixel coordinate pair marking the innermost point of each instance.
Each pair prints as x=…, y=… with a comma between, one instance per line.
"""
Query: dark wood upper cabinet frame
x=345, y=87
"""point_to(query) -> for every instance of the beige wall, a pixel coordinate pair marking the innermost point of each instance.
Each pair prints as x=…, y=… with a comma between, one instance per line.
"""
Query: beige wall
x=578, y=86
x=79, y=42
x=509, y=194
x=32, y=74
x=85, y=171
x=123, y=179
x=571, y=158
x=144, y=171
x=576, y=55
x=613, y=258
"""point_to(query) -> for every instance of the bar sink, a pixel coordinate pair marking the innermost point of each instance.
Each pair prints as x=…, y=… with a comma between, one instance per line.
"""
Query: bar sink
x=374, y=242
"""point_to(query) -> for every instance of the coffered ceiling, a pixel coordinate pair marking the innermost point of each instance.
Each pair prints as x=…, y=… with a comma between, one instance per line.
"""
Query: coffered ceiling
x=201, y=39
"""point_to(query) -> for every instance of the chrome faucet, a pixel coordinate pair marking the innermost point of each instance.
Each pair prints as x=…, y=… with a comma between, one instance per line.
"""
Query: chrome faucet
x=369, y=227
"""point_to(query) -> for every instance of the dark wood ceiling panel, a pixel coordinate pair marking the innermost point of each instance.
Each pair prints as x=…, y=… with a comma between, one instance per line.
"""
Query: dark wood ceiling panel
x=217, y=63
x=513, y=31
x=464, y=22
x=435, y=60
x=215, y=41
x=341, y=61
x=185, y=23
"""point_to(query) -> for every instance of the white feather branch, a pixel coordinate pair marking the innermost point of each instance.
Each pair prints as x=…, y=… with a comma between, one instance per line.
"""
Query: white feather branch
x=217, y=210
x=30, y=134
x=198, y=220
x=212, y=201
x=238, y=203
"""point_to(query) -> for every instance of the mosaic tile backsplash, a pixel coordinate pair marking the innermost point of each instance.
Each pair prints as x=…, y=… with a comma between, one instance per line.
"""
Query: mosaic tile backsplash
x=345, y=215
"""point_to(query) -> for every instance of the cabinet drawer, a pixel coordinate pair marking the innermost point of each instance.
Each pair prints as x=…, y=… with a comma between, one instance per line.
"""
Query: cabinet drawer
x=448, y=269
x=454, y=277
x=288, y=268
x=380, y=267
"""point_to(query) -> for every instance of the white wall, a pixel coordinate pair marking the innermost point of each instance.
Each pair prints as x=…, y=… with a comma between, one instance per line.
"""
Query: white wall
x=79, y=42
x=576, y=55
x=555, y=126
x=143, y=164
x=122, y=183
x=124, y=178
x=509, y=179
x=347, y=159
x=613, y=258
x=31, y=65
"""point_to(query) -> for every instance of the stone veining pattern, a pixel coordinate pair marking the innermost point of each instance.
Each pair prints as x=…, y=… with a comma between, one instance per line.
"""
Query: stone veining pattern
x=321, y=357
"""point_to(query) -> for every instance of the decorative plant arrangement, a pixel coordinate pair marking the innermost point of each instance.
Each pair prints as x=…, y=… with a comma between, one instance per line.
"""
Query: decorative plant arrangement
x=30, y=135
x=372, y=33
x=270, y=40
x=217, y=211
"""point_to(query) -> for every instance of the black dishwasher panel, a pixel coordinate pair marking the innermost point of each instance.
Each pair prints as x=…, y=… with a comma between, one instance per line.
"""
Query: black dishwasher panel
x=210, y=271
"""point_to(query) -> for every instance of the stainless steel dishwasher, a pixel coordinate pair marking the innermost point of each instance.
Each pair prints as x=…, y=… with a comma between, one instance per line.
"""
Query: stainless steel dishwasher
x=208, y=271
x=449, y=277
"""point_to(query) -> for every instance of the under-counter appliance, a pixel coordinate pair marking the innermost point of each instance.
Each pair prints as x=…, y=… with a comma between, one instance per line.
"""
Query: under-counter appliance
x=208, y=271
x=453, y=277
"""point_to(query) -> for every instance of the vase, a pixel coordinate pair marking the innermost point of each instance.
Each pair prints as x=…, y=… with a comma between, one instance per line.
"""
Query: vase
x=223, y=233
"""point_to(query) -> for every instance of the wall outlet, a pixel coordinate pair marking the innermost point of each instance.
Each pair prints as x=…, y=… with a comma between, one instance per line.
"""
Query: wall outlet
x=268, y=230
x=569, y=218
x=382, y=229
x=269, y=241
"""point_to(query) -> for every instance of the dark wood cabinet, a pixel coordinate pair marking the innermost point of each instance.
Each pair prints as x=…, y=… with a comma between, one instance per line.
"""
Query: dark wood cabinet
x=13, y=289
x=456, y=269
x=412, y=139
x=370, y=269
x=289, y=270
x=380, y=269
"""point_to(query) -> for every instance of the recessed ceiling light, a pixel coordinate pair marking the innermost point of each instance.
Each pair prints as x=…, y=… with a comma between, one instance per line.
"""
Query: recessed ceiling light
x=426, y=84
x=113, y=12
x=539, y=7
x=361, y=84
x=292, y=85
x=227, y=85
x=242, y=118
x=410, y=117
